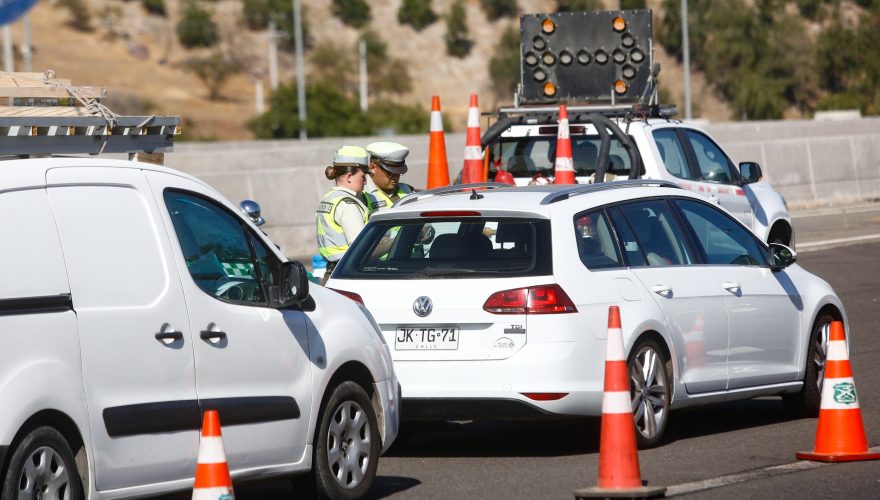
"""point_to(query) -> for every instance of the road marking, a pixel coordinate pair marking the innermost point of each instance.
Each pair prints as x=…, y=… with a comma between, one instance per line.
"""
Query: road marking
x=825, y=244
x=774, y=470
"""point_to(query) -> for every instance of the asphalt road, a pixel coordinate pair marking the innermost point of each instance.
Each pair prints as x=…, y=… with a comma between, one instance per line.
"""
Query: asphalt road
x=734, y=450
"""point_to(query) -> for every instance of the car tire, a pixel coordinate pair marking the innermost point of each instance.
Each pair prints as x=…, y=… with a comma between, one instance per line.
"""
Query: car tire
x=650, y=389
x=806, y=402
x=347, y=446
x=42, y=465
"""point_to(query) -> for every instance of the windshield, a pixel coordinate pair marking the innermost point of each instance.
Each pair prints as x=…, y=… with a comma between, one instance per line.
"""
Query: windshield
x=474, y=247
x=536, y=155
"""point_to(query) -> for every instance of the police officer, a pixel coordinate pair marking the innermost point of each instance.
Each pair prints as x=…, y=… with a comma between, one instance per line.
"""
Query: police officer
x=342, y=213
x=387, y=164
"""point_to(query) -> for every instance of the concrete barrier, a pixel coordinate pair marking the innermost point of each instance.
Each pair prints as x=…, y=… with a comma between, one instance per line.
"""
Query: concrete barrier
x=809, y=162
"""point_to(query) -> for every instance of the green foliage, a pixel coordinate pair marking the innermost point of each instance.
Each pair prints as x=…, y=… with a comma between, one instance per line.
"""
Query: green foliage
x=155, y=7
x=632, y=4
x=355, y=13
x=81, y=16
x=416, y=13
x=504, y=67
x=844, y=100
x=578, y=5
x=213, y=70
x=496, y=9
x=196, y=28
x=810, y=8
x=457, y=42
x=333, y=114
x=258, y=13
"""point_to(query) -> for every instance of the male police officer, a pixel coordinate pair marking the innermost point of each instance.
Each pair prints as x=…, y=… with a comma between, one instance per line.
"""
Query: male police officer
x=387, y=164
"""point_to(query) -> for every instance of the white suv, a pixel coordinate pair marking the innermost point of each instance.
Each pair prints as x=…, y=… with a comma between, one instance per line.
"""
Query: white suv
x=135, y=297
x=495, y=302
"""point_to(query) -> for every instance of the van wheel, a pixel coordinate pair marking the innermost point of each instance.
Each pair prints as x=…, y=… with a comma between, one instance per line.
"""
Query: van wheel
x=347, y=445
x=650, y=389
x=42, y=466
x=806, y=402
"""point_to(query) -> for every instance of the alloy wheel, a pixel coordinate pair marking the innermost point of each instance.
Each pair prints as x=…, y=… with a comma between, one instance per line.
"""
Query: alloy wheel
x=649, y=388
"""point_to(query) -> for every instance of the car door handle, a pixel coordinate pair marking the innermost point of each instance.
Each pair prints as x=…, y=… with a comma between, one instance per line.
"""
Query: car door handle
x=731, y=287
x=662, y=290
x=212, y=336
x=167, y=335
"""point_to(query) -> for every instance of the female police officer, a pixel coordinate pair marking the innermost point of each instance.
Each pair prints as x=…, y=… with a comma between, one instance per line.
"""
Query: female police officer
x=342, y=213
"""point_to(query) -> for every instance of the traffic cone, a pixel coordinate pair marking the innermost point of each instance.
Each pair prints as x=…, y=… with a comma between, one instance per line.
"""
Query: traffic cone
x=618, y=457
x=438, y=167
x=212, y=473
x=695, y=344
x=564, y=167
x=840, y=436
x=473, y=151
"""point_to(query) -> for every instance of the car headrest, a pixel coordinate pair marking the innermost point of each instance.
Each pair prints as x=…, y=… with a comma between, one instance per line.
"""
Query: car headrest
x=445, y=246
x=513, y=232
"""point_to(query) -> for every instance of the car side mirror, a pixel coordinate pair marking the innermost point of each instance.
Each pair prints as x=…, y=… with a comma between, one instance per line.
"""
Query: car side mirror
x=293, y=288
x=781, y=256
x=252, y=210
x=750, y=172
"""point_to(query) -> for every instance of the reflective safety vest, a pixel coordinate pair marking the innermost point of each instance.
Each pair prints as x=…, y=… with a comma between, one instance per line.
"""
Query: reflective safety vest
x=331, y=237
x=378, y=199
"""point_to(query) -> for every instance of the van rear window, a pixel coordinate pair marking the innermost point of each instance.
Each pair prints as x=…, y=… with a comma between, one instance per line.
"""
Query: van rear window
x=474, y=247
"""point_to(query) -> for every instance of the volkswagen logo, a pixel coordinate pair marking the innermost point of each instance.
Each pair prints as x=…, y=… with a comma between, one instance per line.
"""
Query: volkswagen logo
x=423, y=306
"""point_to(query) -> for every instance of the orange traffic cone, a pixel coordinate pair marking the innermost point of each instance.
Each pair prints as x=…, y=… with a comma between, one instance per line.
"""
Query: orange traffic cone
x=212, y=473
x=840, y=436
x=473, y=151
x=618, y=457
x=438, y=167
x=564, y=168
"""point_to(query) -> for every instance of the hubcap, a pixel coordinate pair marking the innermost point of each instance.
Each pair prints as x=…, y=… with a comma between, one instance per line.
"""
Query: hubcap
x=348, y=444
x=649, y=388
x=44, y=477
x=820, y=352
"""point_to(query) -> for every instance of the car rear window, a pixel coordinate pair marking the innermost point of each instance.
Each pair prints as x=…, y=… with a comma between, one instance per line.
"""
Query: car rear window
x=474, y=247
x=530, y=156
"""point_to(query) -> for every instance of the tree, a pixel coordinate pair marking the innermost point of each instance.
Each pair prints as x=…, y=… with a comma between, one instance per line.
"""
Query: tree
x=416, y=13
x=387, y=75
x=504, y=67
x=632, y=4
x=213, y=71
x=355, y=13
x=258, y=13
x=457, y=42
x=196, y=28
x=578, y=5
x=496, y=9
x=155, y=7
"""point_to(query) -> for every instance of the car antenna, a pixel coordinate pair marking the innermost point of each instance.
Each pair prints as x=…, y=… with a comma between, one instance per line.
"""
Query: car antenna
x=475, y=195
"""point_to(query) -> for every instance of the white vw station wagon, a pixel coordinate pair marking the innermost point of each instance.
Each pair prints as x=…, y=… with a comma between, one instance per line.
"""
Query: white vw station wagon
x=494, y=301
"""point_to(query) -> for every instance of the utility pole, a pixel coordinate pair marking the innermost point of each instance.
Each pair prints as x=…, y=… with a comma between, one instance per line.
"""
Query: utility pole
x=273, y=56
x=300, y=69
x=8, y=62
x=685, y=46
x=362, y=72
x=26, y=52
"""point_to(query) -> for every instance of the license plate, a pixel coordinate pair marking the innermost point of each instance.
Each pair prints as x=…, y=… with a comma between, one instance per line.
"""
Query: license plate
x=428, y=338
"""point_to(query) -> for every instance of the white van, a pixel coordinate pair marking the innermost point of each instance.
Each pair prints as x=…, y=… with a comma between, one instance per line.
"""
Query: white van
x=135, y=297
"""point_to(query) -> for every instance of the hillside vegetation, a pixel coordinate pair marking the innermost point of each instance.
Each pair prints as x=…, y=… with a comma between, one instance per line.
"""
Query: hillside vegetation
x=205, y=59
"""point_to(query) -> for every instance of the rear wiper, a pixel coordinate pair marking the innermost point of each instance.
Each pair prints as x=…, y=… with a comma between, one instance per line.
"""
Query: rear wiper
x=449, y=271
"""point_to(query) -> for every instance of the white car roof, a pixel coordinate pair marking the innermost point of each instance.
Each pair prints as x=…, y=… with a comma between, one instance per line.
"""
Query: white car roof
x=529, y=201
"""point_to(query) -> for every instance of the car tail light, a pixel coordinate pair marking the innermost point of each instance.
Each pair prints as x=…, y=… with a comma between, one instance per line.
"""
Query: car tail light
x=542, y=299
x=353, y=296
x=544, y=396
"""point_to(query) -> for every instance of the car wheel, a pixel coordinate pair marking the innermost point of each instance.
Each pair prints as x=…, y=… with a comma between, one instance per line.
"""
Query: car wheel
x=806, y=402
x=42, y=466
x=347, y=445
x=650, y=390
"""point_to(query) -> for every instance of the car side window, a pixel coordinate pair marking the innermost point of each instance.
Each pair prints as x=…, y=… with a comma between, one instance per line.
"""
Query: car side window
x=659, y=236
x=216, y=249
x=722, y=240
x=714, y=164
x=595, y=240
x=672, y=153
x=634, y=255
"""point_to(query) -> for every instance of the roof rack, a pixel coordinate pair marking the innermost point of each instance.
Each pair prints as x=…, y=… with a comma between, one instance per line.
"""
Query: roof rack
x=605, y=186
x=43, y=115
x=612, y=111
x=454, y=188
